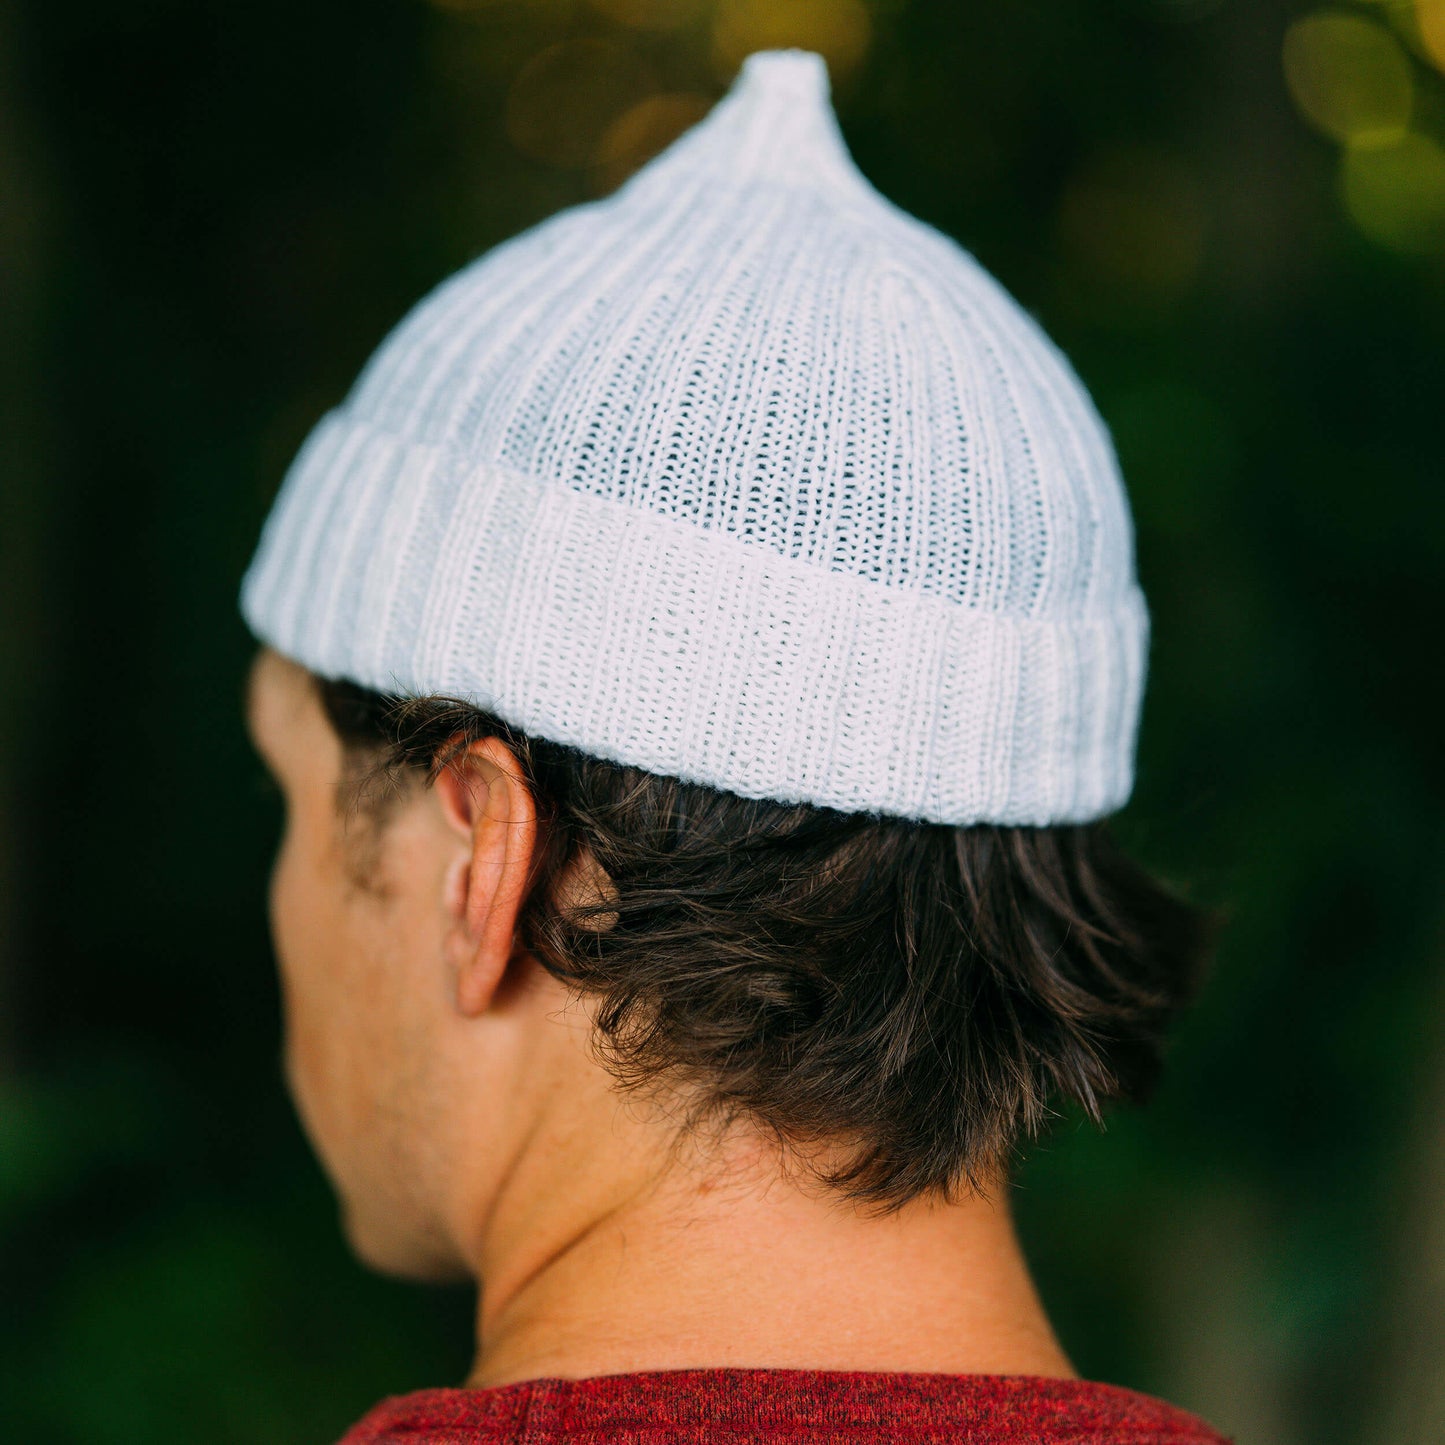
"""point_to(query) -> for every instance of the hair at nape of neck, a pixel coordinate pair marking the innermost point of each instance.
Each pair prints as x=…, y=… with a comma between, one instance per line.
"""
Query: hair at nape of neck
x=900, y=1003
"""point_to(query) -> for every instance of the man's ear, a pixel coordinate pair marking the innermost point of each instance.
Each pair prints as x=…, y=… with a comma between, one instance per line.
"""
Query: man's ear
x=485, y=800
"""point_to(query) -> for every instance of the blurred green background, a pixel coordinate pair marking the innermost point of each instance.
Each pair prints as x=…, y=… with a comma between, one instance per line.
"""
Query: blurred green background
x=1230, y=213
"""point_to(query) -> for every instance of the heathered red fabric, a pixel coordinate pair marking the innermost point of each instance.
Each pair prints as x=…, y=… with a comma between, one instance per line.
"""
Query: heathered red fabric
x=784, y=1407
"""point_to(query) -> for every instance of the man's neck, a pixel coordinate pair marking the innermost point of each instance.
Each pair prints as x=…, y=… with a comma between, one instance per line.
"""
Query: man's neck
x=708, y=1268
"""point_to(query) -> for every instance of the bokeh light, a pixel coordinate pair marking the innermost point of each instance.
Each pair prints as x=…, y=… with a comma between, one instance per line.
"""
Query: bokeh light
x=1396, y=194
x=1134, y=220
x=640, y=132
x=1430, y=22
x=839, y=30
x=564, y=99
x=1354, y=80
x=1349, y=76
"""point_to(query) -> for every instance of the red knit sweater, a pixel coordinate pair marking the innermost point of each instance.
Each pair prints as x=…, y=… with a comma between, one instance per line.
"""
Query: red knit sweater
x=783, y=1407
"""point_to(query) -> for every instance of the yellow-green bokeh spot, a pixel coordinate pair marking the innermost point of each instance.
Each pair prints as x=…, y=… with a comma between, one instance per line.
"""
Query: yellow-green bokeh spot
x=1396, y=193
x=1350, y=77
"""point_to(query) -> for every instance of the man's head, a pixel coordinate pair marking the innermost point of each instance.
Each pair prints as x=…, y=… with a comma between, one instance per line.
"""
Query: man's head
x=727, y=602
x=485, y=938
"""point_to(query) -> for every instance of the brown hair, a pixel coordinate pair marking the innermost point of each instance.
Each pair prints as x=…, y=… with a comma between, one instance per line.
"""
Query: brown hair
x=918, y=993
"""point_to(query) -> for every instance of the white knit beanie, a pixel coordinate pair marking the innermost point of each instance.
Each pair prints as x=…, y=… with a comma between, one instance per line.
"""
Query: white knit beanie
x=740, y=475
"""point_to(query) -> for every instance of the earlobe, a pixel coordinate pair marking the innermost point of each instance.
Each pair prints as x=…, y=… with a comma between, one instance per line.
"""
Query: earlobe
x=486, y=799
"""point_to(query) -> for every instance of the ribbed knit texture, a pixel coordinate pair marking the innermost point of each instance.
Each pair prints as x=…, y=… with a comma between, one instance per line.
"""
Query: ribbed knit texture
x=741, y=475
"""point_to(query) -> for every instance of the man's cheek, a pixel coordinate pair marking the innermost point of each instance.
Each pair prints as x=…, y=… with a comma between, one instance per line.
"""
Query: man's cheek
x=299, y=901
x=296, y=932
x=283, y=915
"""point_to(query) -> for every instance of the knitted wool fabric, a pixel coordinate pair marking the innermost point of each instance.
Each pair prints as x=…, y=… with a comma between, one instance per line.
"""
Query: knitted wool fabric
x=740, y=475
x=784, y=1407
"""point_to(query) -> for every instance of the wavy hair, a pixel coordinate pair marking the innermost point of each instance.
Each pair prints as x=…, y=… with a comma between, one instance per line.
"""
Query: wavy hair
x=908, y=999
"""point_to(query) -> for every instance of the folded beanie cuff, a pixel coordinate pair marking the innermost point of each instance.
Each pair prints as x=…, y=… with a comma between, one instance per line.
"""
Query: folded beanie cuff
x=657, y=642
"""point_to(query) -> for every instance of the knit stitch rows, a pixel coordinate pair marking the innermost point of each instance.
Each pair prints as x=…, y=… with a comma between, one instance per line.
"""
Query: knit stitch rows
x=740, y=475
